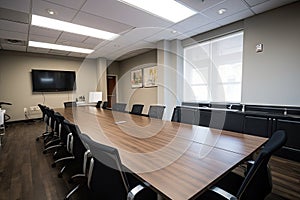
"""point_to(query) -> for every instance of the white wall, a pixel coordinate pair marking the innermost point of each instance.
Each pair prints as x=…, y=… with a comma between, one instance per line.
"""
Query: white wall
x=15, y=80
x=272, y=76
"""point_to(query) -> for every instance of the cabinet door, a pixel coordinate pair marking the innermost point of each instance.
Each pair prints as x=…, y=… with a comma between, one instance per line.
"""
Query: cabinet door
x=258, y=126
x=292, y=129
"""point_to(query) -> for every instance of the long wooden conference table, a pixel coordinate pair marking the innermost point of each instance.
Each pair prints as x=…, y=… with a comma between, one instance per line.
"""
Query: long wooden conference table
x=179, y=161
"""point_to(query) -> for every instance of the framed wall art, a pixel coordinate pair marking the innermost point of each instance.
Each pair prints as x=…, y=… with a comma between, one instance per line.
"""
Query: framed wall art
x=150, y=76
x=136, y=78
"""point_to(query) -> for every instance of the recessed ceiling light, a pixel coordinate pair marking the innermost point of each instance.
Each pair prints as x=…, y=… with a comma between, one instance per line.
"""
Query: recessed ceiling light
x=222, y=11
x=59, y=47
x=71, y=28
x=173, y=31
x=167, y=9
x=50, y=11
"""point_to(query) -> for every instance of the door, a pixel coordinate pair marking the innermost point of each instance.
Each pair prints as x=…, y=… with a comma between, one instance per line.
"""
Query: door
x=111, y=90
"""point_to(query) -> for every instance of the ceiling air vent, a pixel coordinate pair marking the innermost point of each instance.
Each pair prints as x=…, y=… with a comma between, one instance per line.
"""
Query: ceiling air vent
x=15, y=42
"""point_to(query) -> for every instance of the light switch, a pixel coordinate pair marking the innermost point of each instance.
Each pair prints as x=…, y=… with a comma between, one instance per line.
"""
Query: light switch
x=259, y=48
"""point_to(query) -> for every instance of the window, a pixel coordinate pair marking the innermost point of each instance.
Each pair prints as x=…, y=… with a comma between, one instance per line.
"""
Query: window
x=213, y=70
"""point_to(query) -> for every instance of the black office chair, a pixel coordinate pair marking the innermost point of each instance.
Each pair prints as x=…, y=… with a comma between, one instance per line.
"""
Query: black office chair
x=186, y=115
x=45, y=119
x=120, y=107
x=257, y=183
x=56, y=141
x=156, y=111
x=106, y=178
x=175, y=115
x=70, y=104
x=74, y=151
x=83, y=176
x=98, y=105
x=137, y=109
x=104, y=105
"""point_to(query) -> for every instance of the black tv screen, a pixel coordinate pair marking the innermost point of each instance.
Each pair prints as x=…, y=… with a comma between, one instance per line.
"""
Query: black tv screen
x=53, y=81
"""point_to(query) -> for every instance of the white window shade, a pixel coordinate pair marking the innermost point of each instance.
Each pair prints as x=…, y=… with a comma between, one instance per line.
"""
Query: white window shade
x=94, y=97
x=213, y=70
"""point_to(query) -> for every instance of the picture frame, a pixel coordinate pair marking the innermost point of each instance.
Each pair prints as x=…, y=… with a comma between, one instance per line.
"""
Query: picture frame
x=150, y=76
x=136, y=78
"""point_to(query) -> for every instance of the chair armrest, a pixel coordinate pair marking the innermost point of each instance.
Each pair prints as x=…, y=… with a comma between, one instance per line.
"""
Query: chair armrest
x=133, y=192
x=223, y=193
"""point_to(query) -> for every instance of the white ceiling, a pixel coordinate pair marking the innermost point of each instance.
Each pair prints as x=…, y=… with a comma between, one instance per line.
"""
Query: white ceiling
x=139, y=30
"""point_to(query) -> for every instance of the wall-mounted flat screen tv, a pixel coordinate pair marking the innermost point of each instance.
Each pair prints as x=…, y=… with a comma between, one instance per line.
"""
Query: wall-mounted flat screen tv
x=53, y=81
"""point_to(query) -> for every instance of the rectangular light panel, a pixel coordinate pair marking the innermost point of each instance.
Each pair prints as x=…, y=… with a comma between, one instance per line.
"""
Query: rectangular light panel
x=167, y=9
x=55, y=24
x=59, y=47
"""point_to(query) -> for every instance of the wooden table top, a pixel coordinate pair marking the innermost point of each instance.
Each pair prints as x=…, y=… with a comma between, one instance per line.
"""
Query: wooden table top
x=178, y=160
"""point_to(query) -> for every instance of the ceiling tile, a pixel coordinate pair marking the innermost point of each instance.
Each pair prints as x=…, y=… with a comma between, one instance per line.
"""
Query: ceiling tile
x=202, y=29
x=235, y=17
x=13, y=35
x=58, y=52
x=101, y=23
x=13, y=26
x=93, y=41
x=23, y=6
x=74, y=54
x=37, y=50
x=40, y=38
x=134, y=47
x=270, y=5
x=44, y=32
x=67, y=3
x=66, y=37
x=232, y=7
x=75, y=44
x=138, y=34
x=201, y=5
x=254, y=2
x=192, y=22
x=40, y=7
x=13, y=47
x=165, y=34
x=123, y=13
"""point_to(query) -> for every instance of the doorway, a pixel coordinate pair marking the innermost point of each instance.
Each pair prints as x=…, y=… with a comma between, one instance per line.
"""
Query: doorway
x=111, y=90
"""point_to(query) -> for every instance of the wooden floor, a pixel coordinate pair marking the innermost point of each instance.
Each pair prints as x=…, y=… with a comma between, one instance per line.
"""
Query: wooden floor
x=26, y=173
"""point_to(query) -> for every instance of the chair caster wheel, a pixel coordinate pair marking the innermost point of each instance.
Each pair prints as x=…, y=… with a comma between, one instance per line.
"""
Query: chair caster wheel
x=59, y=175
x=53, y=165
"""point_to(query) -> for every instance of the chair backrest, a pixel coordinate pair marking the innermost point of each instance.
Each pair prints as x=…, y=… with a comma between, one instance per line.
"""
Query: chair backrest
x=156, y=111
x=106, y=178
x=59, y=120
x=78, y=149
x=137, y=109
x=2, y=112
x=186, y=115
x=98, y=105
x=175, y=115
x=257, y=183
x=42, y=108
x=70, y=104
x=105, y=104
x=119, y=107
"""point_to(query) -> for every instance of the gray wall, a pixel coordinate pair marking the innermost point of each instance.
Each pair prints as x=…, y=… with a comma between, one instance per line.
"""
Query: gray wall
x=15, y=80
x=272, y=76
x=126, y=94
